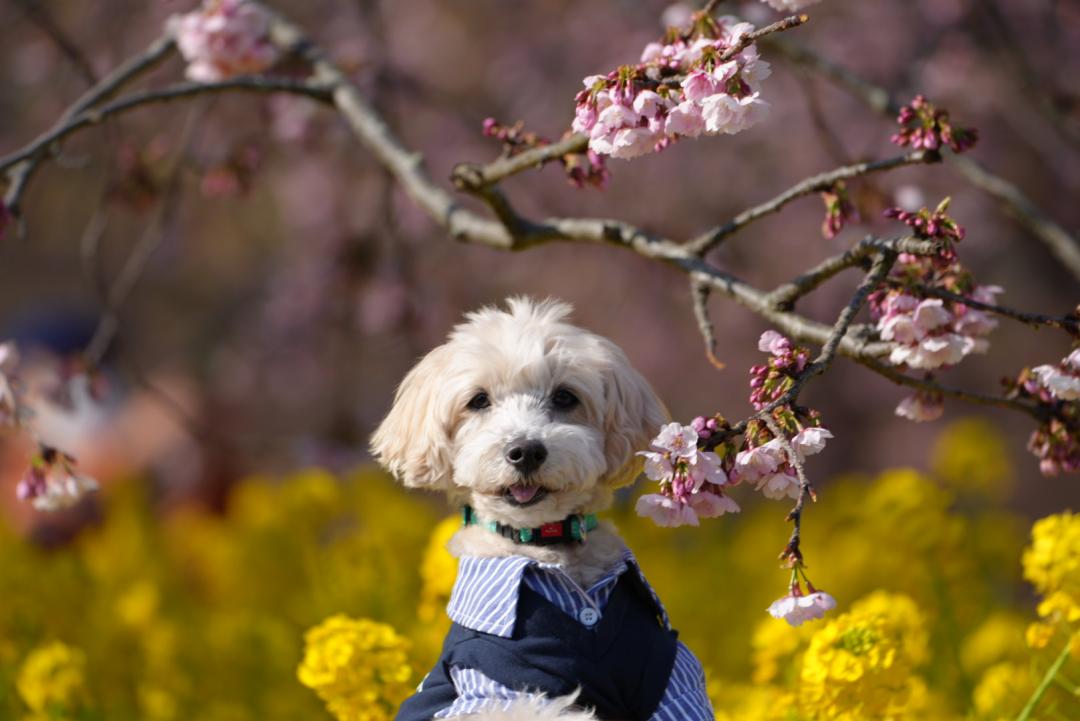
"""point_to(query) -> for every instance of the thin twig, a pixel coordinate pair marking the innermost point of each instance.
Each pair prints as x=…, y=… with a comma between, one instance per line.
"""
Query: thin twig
x=699, y=294
x=1069, y=323
x=19, y=176
x=784, y=296
x=900, y=378
x=814, y=184
x=127, y=103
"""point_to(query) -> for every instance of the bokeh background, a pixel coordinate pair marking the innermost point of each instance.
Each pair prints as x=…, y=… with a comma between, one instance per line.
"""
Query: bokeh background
x=292, y=285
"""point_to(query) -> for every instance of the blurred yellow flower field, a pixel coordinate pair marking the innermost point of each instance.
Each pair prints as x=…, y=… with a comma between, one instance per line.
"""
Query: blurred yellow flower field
x=320, y=597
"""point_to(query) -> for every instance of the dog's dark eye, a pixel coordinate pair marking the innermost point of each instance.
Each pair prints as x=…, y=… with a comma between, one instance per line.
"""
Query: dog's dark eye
x=479, y=402
x=564, y=399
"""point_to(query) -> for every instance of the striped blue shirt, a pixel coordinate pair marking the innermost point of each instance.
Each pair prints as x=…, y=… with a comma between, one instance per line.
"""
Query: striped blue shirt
x=485, y=599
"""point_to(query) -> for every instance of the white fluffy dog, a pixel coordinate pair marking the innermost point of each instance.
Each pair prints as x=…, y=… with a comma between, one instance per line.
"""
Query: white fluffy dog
x=530, y=423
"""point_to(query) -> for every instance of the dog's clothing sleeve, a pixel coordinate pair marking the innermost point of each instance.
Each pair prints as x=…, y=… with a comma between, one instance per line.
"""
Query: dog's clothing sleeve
x=525, y=628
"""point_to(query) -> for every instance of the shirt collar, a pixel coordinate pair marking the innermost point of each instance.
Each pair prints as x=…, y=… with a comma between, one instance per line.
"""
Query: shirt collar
x=486, y=590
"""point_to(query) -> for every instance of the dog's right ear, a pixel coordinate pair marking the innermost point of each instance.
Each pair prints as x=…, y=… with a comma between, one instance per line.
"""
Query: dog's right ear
x=413, y=441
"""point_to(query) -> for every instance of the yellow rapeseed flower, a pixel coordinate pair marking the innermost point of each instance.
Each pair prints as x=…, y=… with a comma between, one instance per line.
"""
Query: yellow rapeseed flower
x=860, y=665
x=438, y=569
x=999, y=638
x=358, y=667
x=774, y=645
x=1002, y=691
x=1052, y=561
x=52, y=677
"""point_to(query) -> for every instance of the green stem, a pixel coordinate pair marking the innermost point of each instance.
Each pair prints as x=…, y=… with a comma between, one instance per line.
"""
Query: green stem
x=1048, y=679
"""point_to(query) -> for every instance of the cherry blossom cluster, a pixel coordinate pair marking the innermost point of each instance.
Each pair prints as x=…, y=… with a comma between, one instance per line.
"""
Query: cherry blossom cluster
x=582, y=169
x=931, y=224
x=52, y=482
x=1056, y=442
x=839, y=210
x=766, y=463
x=680, y=89
x=931, y=333
x=923, y=126
x=774, y=378
x=691, y=479
x=765, y=459
x=798, y=607
x=223, y=39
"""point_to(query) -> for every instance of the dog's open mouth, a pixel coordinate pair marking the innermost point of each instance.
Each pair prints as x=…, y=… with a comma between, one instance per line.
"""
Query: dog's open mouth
x=524, y=494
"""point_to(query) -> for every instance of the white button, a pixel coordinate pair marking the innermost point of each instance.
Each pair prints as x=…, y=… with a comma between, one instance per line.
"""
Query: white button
x=589, y=616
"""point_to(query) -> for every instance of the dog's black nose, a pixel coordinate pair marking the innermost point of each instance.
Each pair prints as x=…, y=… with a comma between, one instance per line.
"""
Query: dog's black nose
x=526, y=456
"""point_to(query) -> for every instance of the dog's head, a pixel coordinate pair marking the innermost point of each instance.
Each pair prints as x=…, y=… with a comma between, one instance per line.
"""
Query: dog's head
x=522, y=415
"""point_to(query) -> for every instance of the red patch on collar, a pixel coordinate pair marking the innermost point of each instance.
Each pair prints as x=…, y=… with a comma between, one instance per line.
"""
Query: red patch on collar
x=551, y=530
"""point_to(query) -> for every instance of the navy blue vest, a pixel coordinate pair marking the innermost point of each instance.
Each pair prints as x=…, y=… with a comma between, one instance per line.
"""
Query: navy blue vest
x=622, y=664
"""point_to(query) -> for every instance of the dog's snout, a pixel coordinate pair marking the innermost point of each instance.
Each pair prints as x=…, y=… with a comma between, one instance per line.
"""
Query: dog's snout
x=526, y=456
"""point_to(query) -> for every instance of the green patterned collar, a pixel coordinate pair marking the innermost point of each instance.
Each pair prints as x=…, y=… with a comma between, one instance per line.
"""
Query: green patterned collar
x=572, y=529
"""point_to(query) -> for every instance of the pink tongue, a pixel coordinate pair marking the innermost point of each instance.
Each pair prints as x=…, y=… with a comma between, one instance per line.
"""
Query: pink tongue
x=523, y=494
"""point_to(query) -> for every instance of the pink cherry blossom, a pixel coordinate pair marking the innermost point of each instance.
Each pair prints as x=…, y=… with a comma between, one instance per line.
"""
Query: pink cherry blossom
x=754, y=463
x=783, y=483
x=724, y=113
x=685, y=120
x=712, y=505
x=809, y=441
x=665, y=512
x=1061, y=383
x=921, y=407
x=52, y=483
x=698, y=85
x=223, y=39
x=657, y=465
x=787, y=6
x=680, y=440
x=773, y=343
x=930, y=314
x=705, y=467
x=633, y=142
x=796, y=608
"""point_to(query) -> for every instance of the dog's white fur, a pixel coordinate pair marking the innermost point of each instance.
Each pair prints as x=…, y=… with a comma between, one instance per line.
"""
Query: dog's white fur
x=520, y=357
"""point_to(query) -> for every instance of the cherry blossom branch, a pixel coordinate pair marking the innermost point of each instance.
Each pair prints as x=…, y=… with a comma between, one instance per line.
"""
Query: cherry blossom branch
x=900, y=378
x=127, y=103
x=474, y=177
x=1069, y=323
x=509, y=230
x=814, y=184
x=19, y=176
x=882, y=264
x=1059, y=241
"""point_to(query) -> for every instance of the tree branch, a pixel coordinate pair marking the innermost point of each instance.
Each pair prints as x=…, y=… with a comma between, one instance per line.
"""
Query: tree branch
x=1057, y=240
x=817, y=183
x=900, y=378
x=784, y=296
x=127, y=103
x=19, y=176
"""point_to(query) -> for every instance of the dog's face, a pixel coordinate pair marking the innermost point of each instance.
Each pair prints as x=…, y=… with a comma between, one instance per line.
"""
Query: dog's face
x=522, y=415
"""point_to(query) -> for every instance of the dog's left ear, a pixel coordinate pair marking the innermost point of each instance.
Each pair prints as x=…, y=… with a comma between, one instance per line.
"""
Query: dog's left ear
x=632, y=417
x=413, y=442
